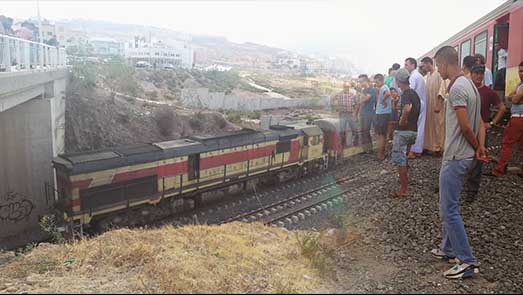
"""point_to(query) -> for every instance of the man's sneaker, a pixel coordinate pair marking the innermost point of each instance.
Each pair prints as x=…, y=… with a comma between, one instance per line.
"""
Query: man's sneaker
x=461, y=271
x=440, y=255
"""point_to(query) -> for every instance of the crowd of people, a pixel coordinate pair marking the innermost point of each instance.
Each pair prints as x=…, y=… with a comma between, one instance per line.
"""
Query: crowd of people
x=441, y=109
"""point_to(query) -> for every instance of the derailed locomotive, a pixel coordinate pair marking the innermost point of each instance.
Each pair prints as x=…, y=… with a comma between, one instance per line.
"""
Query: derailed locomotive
x=136, y=185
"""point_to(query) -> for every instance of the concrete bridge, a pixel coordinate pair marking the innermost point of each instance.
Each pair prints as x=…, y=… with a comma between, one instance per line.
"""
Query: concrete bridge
x=32, y=126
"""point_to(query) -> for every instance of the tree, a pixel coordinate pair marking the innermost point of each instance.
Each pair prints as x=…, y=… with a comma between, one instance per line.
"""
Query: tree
x=6, y=23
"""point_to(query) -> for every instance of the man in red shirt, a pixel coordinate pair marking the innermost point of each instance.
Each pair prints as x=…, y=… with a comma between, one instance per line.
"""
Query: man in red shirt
x=489, y=99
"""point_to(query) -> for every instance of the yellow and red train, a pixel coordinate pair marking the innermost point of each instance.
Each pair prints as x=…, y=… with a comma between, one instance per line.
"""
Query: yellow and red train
x=134, y=185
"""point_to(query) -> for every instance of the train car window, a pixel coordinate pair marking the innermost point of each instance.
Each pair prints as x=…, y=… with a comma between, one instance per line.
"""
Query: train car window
x=316, y=140
x=480, y=44
x=118, y=193
x=465, y=50
x=283, y=147
x=306, y=140
x=194, y=166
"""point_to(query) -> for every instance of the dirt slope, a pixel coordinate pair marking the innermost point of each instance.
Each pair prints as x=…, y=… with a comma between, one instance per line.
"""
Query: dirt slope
x=234, y=258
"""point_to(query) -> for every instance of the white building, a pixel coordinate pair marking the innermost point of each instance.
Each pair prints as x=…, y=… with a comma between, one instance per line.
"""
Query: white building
x=107, y=46
x=158, y=54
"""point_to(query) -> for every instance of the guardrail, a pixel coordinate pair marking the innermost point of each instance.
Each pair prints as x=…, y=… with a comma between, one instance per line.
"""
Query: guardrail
x=19, y=54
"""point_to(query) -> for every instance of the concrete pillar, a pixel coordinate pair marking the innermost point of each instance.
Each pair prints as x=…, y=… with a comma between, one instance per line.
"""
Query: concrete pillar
x=32, y=130
x=25, y=153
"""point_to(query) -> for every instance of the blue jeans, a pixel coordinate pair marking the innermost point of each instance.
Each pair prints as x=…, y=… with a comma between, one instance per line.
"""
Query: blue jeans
x=455, y=240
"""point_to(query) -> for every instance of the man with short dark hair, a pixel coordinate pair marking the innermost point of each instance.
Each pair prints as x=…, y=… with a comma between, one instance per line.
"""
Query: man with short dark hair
x=435, y=122
x=383, y=114
x=489, y=99
x=513, y=133
x=468, y=63
x=367, y=110
x=417, y=83
x=406, y=132
x=464, y=140
x=488, y=80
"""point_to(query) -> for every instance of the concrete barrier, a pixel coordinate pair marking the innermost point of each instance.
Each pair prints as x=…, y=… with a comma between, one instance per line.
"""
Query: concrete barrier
x=203, y=98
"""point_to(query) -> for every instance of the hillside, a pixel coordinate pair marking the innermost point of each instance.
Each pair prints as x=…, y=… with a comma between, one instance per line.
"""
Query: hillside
x=234, y=258
x=97, y=119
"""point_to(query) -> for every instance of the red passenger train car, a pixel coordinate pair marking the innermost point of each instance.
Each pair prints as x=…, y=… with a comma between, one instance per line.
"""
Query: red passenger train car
x=503, y=25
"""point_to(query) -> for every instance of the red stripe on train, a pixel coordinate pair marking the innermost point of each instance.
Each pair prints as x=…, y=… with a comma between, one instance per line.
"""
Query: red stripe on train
x=295, y=151
x=235, y=157
x=173, y=169
x=81, y=184
x=126, y=176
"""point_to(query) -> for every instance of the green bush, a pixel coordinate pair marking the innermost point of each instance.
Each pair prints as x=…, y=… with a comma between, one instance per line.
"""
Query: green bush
x=48, y=225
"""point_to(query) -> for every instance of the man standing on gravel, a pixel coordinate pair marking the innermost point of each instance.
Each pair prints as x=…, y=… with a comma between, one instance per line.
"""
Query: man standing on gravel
x=367, y=111
x=464, y=140
x=347, y=105
x=513, y=133
x=405, y=134
x=417, y=83
x=489, y=99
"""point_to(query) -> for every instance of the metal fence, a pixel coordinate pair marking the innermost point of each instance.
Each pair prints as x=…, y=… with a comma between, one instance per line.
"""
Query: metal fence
x=20, y=55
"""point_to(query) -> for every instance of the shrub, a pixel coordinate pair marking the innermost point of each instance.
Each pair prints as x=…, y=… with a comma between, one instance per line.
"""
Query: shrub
x=196, y=121
x=48, y=225
x=165, y=121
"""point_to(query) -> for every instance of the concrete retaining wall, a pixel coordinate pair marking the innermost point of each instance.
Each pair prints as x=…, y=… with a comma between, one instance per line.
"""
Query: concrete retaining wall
x=203, y=98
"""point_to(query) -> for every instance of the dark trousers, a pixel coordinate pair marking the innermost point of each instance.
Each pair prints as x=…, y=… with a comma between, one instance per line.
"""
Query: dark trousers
x=366, y=125
x=474, y=174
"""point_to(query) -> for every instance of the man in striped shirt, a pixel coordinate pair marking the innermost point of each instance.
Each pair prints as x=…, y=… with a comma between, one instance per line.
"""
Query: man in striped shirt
x=347, y=105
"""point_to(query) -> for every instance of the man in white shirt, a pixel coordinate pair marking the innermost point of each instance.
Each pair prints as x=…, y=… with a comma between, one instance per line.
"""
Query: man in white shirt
x=502, y=67
x=417, y=82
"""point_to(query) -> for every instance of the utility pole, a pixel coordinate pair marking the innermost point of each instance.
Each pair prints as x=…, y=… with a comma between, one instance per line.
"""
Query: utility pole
x=40, y=33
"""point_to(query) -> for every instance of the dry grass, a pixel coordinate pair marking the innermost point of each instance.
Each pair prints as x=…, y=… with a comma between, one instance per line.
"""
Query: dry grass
x=235, y=258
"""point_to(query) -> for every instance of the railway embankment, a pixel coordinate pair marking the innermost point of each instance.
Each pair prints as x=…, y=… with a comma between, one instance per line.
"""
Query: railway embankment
x=233, y=258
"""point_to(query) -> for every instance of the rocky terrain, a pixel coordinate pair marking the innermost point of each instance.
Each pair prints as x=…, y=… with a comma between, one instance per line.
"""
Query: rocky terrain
x=389, y=252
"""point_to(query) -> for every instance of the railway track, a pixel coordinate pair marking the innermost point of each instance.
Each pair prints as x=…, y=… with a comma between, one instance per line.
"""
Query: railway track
x=249, y=207
x=299, y=207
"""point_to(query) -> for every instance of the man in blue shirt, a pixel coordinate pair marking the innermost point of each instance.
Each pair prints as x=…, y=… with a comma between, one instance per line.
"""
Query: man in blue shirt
x=383, y=113
x=367, y=110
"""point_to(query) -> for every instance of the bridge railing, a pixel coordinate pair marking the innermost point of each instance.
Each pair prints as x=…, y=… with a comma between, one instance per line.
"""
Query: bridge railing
x=23, y=55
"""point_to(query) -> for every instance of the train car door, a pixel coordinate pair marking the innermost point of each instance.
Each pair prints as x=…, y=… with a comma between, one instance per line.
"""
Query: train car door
x=194, y=167
x=501, y=33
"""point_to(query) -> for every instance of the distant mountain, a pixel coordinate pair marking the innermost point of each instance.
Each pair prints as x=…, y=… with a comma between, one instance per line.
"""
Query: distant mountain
x=208, y=49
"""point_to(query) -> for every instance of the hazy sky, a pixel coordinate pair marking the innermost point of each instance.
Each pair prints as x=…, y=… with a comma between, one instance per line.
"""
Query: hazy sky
x=373, y=34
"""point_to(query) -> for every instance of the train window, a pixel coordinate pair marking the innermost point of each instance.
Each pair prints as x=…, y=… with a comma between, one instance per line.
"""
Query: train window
x=117, y=193
x=465, y=50
x=194, y=166
x=306, y=140
x=283, y=147
x=316, y=140
x=480, y=44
